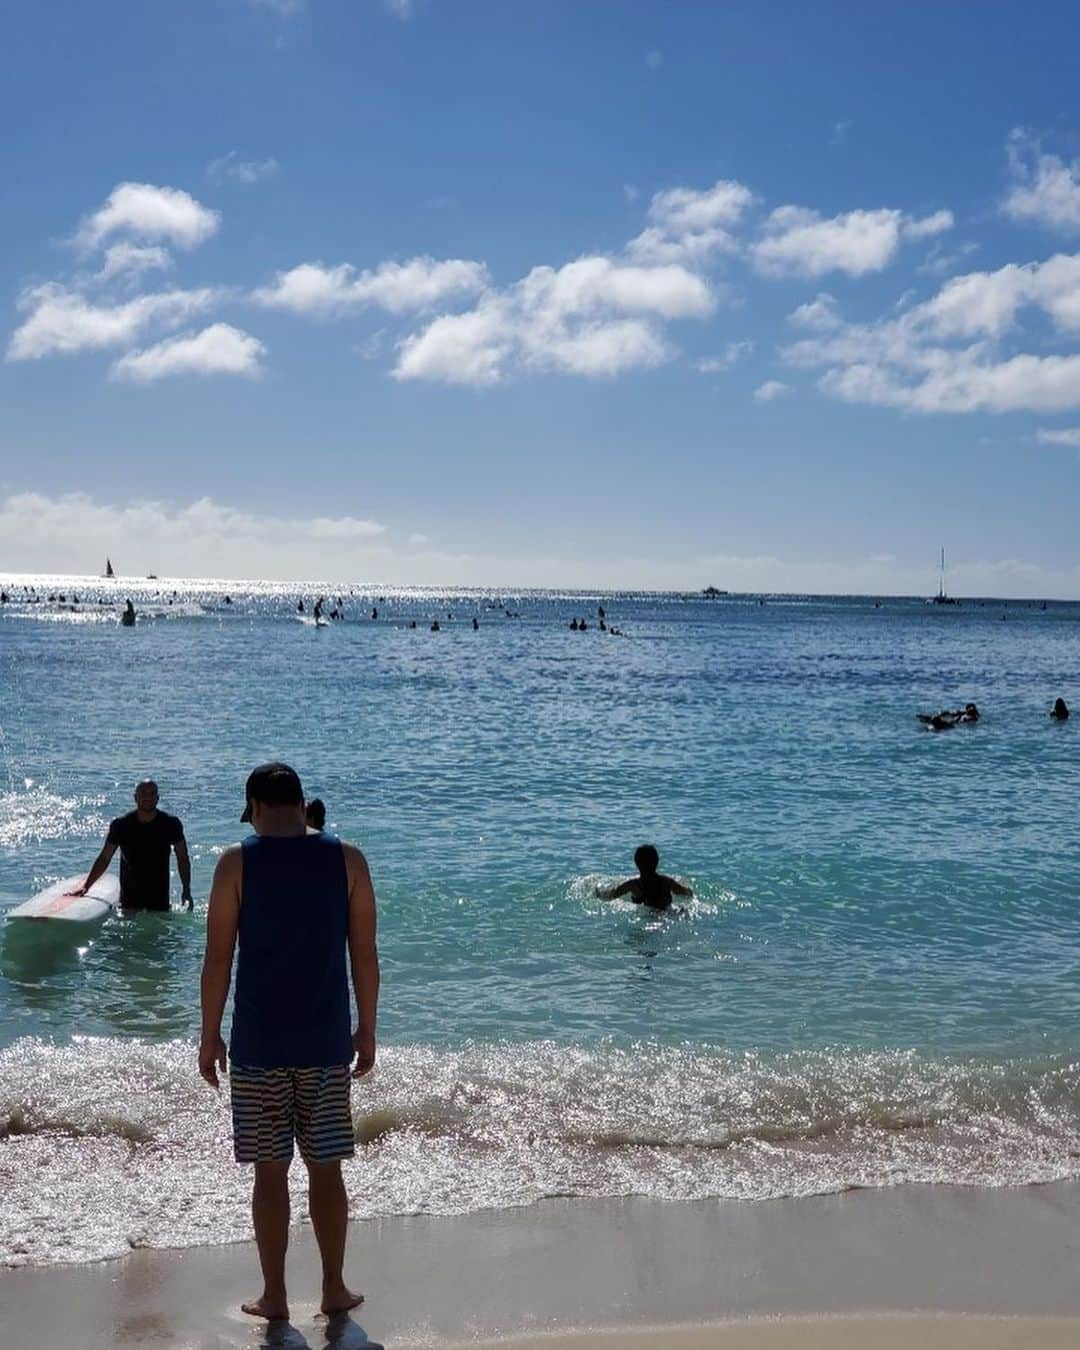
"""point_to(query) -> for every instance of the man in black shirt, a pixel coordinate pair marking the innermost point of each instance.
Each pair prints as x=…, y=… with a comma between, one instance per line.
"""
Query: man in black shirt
x=144, y=837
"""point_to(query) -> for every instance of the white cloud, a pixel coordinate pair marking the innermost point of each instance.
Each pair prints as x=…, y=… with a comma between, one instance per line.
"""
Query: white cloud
x=799, y=242
x=401, y=9
x=64, y=321
x=418, y=541
x=630, y=192
x=591, y=317
x=690, y=226
x=147, y=212
x=940, y=261
x=459, y=348
x=929, y=226
x=219, y=349
x=1045, y=189
x=819, y=314
x=601, y=348
x=203, y=537
x=770, y=390
x=1069, y=436
x=230, y=167
x=732, y=354
x=912, y=361
x=131, y=261
x=591, y=284
x=957, y=382
x=420, y=283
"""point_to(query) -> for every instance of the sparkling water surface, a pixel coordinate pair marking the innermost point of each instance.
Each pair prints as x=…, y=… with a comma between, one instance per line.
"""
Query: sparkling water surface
x=877, y=981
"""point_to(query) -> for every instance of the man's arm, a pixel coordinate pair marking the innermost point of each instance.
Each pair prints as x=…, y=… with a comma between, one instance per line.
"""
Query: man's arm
x=614, y=892
x=363, y=957
x=677, y=888
x=222, y=920
x=98, y=868
x=183, y=866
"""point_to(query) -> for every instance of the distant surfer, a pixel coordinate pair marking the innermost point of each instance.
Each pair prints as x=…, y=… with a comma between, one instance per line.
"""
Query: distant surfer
x=145, y=838
x=650, y=887
x=297, y=910
x=947, y=718
x=1060, y=710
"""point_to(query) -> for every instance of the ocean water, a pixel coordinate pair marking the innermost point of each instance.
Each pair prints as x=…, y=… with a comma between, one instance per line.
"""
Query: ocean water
x=878, y=982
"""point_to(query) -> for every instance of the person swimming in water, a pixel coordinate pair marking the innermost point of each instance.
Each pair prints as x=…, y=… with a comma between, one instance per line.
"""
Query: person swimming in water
x=315, y=814
x=650, y=887
x=948, y=718
x=1060, y=710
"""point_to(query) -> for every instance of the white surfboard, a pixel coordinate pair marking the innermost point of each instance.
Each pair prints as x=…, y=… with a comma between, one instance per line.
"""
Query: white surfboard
x=54, y=903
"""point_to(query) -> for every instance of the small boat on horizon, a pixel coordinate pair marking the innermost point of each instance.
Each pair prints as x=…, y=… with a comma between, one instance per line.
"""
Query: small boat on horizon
x=109, y=568
x=943, y=597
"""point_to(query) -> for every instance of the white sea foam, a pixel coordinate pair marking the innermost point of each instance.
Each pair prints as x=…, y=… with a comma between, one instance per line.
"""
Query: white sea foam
x=109, y=1144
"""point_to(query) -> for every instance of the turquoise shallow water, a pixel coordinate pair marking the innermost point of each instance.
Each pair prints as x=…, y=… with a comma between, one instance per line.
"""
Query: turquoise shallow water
x=878, y=981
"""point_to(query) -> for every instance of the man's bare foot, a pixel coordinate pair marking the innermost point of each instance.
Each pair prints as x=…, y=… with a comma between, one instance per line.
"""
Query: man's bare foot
x=273, y=1309
x=340, y=1299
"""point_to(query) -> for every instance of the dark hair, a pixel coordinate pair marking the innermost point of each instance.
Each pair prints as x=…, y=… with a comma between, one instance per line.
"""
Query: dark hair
x=646, y=858
x=316, y=813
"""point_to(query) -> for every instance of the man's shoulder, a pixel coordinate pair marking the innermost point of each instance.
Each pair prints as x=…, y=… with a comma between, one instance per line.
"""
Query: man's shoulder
x=119, y=823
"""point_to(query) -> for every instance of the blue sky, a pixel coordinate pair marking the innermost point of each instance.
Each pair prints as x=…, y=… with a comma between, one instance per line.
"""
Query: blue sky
x=767, y=296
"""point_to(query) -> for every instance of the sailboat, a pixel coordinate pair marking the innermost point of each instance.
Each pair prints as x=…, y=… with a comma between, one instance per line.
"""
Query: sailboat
x=942, y=597
x=108, y=568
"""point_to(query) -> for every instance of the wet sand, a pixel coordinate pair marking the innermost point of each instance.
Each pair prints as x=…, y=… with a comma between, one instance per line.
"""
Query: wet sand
x=705, y=1274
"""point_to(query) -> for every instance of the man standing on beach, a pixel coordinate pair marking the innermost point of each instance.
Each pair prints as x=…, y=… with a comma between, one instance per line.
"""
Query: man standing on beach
x=292, y=900
x=144, y=837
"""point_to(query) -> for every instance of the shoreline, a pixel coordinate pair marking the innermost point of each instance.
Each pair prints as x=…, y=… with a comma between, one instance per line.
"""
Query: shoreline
x=724, y=1273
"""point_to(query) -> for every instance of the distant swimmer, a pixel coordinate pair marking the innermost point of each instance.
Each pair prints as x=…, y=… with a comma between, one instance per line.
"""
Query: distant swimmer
x=1060, y=710
x=315, y=813
x=435, y=626
x=600, y=612
x=650, y=887
x=299, y=606
x=475, y=624
x=947, y=718
x=573, y=625
x=128, y=616
x=374, y=611
x=318, y=609
x=145, y=838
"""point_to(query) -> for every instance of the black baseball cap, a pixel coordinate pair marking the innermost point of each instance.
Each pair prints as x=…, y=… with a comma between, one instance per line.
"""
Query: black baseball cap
x=274, y=784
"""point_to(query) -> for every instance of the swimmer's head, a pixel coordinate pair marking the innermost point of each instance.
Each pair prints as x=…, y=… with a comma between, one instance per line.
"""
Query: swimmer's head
x=316, y=813
x=646, y=859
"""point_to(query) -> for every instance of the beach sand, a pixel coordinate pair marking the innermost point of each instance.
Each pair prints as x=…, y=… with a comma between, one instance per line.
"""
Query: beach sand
x=866, y=1268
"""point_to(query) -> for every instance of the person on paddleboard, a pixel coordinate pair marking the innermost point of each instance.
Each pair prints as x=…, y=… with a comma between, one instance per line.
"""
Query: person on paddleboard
x=145, y=838
x=650, y=887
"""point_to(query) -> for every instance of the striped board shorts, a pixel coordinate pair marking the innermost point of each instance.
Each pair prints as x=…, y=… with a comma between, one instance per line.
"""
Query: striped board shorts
x=273, y=1107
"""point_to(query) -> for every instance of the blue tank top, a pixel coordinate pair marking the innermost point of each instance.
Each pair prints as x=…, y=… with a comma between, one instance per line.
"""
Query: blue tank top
x=292, y=1007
